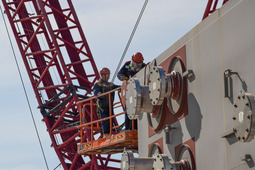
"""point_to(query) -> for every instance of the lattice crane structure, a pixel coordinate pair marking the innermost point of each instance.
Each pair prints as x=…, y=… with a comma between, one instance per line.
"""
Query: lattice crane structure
x=59, y=64
x=62, y=71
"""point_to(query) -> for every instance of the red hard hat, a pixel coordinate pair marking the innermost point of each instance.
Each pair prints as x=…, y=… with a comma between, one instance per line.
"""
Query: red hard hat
x=137, y=57
x=104, y=71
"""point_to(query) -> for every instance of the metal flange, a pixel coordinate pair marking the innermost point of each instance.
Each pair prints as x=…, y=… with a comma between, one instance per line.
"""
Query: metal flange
x=129, y=162
x=157, y=85
x=137, y=99
x=163, y=85
x=244, y=118
x=161, y=161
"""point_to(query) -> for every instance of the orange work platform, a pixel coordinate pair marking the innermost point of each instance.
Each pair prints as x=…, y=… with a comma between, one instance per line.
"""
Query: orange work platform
x=92, y=141
x=111, y=144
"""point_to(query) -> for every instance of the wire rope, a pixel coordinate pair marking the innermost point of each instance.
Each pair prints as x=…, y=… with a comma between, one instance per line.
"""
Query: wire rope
x=130, y=39
x=23, y=85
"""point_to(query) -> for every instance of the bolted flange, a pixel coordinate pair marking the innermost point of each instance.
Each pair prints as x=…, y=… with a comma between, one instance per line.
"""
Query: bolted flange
x=137, y=99
x=161, y=161
x=163, y=85
x=244, y=118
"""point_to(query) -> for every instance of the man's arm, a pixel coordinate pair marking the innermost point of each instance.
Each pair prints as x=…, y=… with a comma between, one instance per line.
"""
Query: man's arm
x=122, y=74
x=96, y=90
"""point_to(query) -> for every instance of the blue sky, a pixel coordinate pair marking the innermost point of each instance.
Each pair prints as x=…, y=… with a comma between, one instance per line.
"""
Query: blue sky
x=107, y=26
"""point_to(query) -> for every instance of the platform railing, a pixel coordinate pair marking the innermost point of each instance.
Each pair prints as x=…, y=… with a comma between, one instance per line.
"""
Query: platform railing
x=88, y=109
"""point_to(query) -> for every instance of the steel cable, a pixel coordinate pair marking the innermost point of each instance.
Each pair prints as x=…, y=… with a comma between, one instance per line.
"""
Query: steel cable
x=130, y=39
x=23, y=85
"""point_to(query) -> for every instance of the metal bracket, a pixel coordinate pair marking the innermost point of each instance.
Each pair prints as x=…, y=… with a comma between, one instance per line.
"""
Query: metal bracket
x=227, y=133
x=188, y=73
x=249, y=160
x=167, y=130
x=228, y=82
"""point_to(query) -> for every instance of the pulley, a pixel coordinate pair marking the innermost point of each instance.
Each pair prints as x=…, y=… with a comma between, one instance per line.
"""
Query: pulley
x=163, y=85
x=185, y=158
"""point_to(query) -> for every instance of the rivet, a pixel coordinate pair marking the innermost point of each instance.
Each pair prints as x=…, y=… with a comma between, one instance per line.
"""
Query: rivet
x=247, y=104
x=158, y=90
x=158, y=79
x=235, y=130
x=247, y=130
x=243, y=138
x=235, y=105
x=243, y=96
x=239, y=97
x=234, y=118
x=248, y=117
x=239, y=138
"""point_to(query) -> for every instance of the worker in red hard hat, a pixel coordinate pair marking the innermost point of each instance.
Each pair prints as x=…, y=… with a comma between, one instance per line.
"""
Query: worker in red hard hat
x=128, y=70
x=102, y=86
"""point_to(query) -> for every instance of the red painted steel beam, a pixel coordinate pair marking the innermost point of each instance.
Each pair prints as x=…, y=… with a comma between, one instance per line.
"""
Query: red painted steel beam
x=211, y=7
x=29, y=23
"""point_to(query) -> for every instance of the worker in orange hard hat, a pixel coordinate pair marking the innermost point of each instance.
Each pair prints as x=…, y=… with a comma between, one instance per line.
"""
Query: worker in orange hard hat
x=100, y=87
x=128, y=70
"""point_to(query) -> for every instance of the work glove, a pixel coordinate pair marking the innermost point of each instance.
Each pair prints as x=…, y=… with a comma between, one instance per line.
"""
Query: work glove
x=125, y=78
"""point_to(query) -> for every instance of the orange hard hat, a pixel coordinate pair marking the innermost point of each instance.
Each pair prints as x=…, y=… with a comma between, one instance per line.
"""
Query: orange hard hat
x=137, y=57
x=104, y=71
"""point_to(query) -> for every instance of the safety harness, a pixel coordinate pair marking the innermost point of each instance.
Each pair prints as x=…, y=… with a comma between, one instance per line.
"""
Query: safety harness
x=103, y=90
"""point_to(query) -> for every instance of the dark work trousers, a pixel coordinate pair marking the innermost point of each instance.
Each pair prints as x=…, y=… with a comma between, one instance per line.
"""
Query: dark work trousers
x=128, y=123
x=104, y=113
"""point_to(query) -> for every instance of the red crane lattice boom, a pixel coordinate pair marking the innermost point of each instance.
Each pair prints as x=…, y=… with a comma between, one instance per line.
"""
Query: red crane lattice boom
x=55, y=52
x=59, y=62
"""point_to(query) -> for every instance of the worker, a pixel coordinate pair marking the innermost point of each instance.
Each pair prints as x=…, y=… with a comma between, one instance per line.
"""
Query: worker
x=100, y=87
x=128, y=70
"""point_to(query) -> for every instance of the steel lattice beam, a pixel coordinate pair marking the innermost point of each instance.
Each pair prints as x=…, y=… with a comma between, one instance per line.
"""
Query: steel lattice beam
x=54, y=60
x=211, y=7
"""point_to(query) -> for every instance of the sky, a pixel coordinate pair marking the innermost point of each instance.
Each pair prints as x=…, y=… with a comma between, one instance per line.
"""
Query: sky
x=107, y=26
